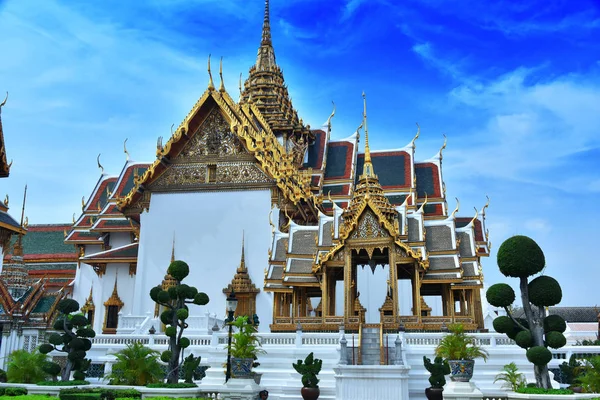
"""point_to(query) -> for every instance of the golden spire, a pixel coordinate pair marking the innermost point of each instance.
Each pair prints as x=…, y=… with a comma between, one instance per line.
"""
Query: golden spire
x=456, y=209
x=173, y=249
x=18, y=249
x=242, y=267
x=211, y=85
x=222, y=86
x=368, y=166
x=266, y=54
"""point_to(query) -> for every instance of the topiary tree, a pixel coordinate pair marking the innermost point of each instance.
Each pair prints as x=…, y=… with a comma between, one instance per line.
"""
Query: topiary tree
x=175, y=300
x=521, y=257
x=73, y=339
x=438, y=368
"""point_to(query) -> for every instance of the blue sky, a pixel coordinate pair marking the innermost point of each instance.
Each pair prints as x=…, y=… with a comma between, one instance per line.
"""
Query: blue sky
x=514, y=85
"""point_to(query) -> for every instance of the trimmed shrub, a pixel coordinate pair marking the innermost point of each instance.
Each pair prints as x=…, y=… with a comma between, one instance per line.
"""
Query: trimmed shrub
x=524, y=339
x=15, y=391
x=539, y=355
x=180, y=385
x=520, y=256
x=544, y=291
x=500, y=295
x=503, y=324
x=554, y=323
x=61, y=383
x=556, y=340
x=178, y=270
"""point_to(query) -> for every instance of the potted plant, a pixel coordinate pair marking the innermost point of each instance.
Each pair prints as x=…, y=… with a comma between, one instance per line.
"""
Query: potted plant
x=245, y=346
x=460, y=350
x=309, y=369
x=511, y=377
x=437, y=369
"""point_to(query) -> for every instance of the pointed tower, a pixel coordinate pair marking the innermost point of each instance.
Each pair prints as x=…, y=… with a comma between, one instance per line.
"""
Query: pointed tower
x=244, y=289
x=4, y=166
x=368, y=186
x=265, y=87
x=14, y=273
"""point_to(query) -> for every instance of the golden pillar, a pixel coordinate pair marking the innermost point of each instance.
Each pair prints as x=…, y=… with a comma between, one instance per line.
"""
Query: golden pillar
x=325, y=292
x=394, y=281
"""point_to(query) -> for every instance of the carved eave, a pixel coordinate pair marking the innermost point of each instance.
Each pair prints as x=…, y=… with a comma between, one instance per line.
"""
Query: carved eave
x=247, y=124
x=6, y=299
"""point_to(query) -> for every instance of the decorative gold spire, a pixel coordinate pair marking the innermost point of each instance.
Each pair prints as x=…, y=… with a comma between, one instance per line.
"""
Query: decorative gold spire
x=368, y=166
x=211, y=85
x=173, y=249
x=266, y=54
x=114, y=299
x=4, y=166
x=18, y=248
x=242, y=267
x=222, y=86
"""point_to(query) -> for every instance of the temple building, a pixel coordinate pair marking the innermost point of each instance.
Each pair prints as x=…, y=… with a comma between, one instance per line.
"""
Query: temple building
x=316, y=212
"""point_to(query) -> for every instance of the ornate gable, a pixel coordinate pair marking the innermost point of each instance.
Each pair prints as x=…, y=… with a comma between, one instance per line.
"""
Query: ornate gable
x=368, y=227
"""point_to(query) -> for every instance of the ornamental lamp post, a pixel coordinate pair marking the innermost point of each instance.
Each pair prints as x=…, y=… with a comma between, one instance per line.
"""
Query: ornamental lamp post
x=231, y=305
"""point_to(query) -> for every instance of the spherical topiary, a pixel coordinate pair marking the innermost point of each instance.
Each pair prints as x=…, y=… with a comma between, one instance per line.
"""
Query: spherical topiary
x=51, y=368
x=67, y=306
x=76, y=344
x=178, y=270
x=58, y=324
x=45, y=348
x=184, y=342
x=79, y=320
x=87, y=344
x=201, y=299
x=500, y=295
x=171, y=331
x=166, y=317
x=544, y=291
x=554, y=323
x=76, y=355
x=520, y=256
x=86, y=332
x=191, y=293
x=503, y=324
x=523, y=322
x=172, y=292
x=163, y=297
x=539, y=355
x=524, y=339
x=166, y=356
x=182, y=314
x=78, y=376
x=556, y=340
x=154, y=292
x=182, y=290
x=56, y=339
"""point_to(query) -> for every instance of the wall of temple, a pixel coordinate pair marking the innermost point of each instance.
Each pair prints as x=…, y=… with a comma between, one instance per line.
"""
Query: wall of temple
x=207, y=227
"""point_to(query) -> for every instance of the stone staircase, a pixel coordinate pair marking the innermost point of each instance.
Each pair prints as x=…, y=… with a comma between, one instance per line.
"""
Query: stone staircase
x=370, y=346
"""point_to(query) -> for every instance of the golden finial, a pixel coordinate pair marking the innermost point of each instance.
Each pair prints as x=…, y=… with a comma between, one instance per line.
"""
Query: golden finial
x=10, y=164
x=82, y=202
x=476, y=215
x=98, y=207
x=456, y=209
x=159, y=145
x=271, y=221
x=243, y=258
x=443, y=146
x=423, y=205
x=6, y=201
x=4, y=102
x=412, y=142
x=173, y=249
x=73, y=217
x=330, y=117
x=368, y=166
x=289, y=223
x=100, y=165
x=108, y=192
x=330, y=199
x=26, y=223
x=240, y=85
x=222, y=86
x=211, y=85
x=125, y=149
x=405, y=202
x=487, y=204
x=65, y=232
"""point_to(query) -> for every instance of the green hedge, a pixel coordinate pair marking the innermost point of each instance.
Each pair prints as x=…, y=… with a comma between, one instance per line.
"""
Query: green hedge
x=13, y=391
x=181, y=385
x=79, y=396
x=28, y=397
x=62, y=383
x=536, y=390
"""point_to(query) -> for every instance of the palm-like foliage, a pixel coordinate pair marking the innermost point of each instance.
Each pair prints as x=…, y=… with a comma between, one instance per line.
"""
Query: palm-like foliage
x=244, y=342
x=136, y=365
x=511, y=377
x=457, y=345
x=25, y=367
x=590, y=379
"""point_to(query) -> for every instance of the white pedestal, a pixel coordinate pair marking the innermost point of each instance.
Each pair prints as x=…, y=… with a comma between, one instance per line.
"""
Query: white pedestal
x=240, y=389
x=461, y=391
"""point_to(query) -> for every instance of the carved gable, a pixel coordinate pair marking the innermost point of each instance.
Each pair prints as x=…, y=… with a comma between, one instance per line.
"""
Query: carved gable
x=213, y=138
x=368, y=227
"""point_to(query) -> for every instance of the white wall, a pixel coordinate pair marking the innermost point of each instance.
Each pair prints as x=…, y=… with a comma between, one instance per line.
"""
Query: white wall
x=208, y=236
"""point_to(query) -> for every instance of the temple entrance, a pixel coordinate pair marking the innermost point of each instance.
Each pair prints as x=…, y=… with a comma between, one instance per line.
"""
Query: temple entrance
x=372, y=286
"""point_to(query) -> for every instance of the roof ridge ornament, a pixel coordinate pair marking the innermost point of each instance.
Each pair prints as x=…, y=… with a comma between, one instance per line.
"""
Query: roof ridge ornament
x=443, y=146
x=222, y=85
x=456, y=209
x=412, y=142
x=100, y=165
x=328, y=123
x=4, y=102
x=211, y=85
x=422, y=205
x=125, y=149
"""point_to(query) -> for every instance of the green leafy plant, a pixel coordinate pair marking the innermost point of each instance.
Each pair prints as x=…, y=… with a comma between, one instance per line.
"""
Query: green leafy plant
x=245, y=343
x=25, y=367
x=457, y=345
x=190, y=368
x=521, y=257
x=175, y=300
x=136, y=365
x=309, y=369
x=13, y=391
x=511, y=377
x=437, y=369
x=537, y=390
x=2, y=376
x=179, y=385
x=590, y=377
x=570, y=371
x=61, y=383
x=73, y=339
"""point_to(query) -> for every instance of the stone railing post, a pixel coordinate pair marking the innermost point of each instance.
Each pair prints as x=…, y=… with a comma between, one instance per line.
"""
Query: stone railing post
x=399, y=359
x=298, y=340
x=343, y=351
